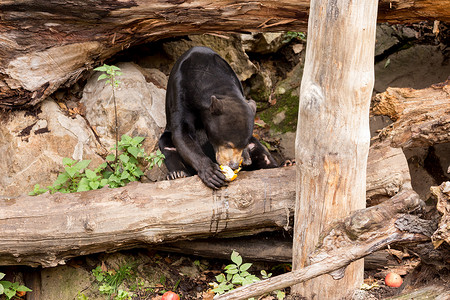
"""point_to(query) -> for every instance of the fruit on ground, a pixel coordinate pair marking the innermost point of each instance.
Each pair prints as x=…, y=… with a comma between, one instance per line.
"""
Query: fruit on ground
x=170, y=296
x=393, y=280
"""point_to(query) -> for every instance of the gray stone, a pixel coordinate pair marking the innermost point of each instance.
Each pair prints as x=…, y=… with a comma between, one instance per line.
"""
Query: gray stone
x=140, y=106
x=33, y=146
x=385, y=38
x=263, y=42
x=417, y=67
x=229, y=47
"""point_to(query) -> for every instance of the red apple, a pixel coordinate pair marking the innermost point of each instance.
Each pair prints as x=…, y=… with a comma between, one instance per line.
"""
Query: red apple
x=393, y=280
x=170, y=296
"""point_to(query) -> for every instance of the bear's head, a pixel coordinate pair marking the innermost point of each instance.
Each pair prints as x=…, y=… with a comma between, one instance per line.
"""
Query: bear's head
x=229, y=129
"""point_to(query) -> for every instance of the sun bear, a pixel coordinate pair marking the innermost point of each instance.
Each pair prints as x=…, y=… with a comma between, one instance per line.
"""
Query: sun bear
x=209, y=121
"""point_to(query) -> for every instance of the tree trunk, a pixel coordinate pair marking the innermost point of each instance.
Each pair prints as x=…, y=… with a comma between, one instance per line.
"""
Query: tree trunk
x=46, y=44
x=48, y=229
x=332, y=142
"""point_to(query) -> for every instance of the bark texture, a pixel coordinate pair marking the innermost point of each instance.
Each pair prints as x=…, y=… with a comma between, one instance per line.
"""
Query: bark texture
x=422, y=117
x=45, y=45
x=48, y=229
x=331, y=158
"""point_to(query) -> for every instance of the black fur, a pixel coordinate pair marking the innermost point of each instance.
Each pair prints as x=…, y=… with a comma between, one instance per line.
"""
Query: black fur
x=206, y=111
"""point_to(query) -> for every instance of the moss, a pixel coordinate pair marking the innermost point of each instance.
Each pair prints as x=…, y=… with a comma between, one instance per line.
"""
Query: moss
x=286, y=103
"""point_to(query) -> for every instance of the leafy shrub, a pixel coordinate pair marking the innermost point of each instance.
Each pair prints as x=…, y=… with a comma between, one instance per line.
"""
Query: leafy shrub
x=114, y=173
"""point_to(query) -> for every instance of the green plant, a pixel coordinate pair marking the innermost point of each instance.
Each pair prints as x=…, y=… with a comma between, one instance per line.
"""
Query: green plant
x=110, y=74
x=294, y=35
x=126, y=167
x=111, y=280
x=236, y=274
x=155, y=159
x=9, y=289
x=75, y=178
x=81, y=296
x=78, y=178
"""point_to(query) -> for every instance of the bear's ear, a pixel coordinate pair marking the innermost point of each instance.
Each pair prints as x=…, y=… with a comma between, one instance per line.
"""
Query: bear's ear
x=216, y=107
x=252, y=105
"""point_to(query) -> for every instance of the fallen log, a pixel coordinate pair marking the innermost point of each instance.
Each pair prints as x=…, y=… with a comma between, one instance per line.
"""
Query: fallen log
x=48, y=229
x=361, y=233
x=48, y=44
x=387, y=172
x=421, y=117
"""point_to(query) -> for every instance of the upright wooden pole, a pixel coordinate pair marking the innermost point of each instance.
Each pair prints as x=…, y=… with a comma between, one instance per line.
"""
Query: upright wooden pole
x=332, y=139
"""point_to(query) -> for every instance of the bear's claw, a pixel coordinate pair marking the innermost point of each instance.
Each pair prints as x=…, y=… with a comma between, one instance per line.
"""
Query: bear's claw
x=176, y=174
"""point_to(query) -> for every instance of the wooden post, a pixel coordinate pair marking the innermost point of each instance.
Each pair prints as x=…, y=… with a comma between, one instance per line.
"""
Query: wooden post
x=332, y=139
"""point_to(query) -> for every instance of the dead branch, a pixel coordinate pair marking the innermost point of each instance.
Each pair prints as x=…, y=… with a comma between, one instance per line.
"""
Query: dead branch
x=421, y=117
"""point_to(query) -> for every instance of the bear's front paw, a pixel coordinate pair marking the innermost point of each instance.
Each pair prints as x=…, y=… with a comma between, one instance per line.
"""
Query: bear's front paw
x=212, y=176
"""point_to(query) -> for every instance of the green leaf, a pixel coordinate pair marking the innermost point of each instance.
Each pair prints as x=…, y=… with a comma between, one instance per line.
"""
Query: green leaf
x=111, y=157
x=71, y=171
x=2, y=289
x=280, y=295
x=94, y=185
x=250, y=279
x=124, y=158
x=138, y=173
x=83, y=185
x=6, y=284
x=67, y=161
x=134, y=151
x=237, y=279
x=245, y=267
x=102, y=76
x=220, y=278
x=137, y=140
x=82, y=164
x=10, y=293
x=90, y=174
x=103, y=68
x=125, y=175
x=2, y=275
x=115, y=68
x=236, y=258
x=22, y=288
x=62, y=178
x=232, y=271
x=125, y=139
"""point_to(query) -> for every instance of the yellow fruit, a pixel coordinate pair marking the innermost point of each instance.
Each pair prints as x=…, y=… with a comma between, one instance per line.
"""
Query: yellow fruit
x=230, y=175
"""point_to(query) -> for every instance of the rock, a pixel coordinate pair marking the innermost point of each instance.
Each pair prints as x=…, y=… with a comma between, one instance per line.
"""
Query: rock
x=140, y=105
x=229, y=47
x=282, y=115
x=263, y=42
x=417, y=67
x=65, y=282
x=385, y=38
x=34, y=144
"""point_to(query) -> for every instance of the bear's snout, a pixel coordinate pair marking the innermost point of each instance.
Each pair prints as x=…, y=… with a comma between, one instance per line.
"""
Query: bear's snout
x=231, y=157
